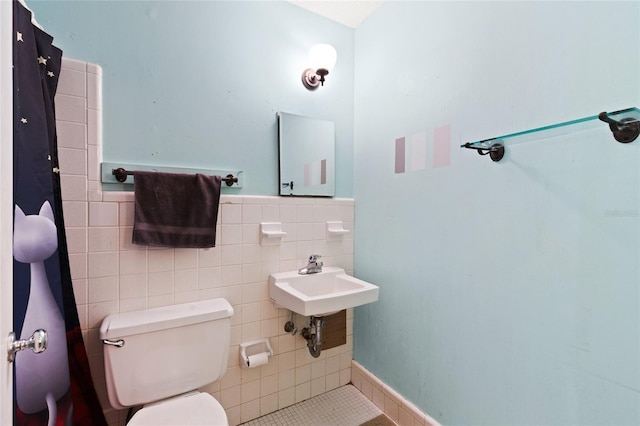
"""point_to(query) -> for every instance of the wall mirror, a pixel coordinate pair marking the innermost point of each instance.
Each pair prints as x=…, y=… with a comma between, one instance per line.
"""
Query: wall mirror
x=307, y=155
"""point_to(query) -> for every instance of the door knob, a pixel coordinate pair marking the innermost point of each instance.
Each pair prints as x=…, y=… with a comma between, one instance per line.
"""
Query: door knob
x=37, y=343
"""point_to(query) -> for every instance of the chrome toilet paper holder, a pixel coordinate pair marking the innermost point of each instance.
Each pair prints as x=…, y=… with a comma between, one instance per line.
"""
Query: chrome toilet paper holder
x=253, y=348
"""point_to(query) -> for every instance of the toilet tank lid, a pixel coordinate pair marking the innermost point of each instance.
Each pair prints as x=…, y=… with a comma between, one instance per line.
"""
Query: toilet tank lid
x=154, y=319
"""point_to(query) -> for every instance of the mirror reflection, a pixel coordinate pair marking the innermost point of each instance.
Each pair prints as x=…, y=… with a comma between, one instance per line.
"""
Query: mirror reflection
x=307, y=155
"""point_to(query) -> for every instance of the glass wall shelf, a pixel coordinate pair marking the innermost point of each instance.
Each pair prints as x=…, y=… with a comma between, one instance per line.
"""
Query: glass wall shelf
x=624, y=124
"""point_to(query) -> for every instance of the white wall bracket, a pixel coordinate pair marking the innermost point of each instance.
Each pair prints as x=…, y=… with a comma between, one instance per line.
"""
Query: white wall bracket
x=335, y=230
x=271, y=233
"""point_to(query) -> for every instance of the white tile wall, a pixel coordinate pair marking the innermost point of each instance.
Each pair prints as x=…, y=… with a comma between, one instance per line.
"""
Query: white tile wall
x=112, y=275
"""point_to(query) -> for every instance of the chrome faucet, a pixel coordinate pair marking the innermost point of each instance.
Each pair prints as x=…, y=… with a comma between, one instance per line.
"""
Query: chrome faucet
x=313, y=267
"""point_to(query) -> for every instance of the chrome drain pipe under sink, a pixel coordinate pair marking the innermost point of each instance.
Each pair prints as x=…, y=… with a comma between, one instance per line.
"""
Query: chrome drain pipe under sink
x=313, y=335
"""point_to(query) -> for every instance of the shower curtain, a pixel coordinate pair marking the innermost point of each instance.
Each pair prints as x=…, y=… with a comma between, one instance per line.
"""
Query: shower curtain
x=55, y=386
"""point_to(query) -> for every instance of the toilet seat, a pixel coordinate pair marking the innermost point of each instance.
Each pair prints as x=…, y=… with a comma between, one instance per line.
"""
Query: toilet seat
x=191, y=409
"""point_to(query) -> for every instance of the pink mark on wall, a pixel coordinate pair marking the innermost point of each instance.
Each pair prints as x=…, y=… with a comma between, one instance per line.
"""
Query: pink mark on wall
x=315, y=173
x=400, y=153
x=307, y=175
x=419, y=151
x=442, y=146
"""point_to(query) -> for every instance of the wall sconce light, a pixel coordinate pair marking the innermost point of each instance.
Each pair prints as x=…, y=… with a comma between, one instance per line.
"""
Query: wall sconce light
x=322, y=58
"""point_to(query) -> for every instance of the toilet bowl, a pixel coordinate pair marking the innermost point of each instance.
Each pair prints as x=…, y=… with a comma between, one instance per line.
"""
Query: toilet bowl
x=198, y=408
x=159, y=357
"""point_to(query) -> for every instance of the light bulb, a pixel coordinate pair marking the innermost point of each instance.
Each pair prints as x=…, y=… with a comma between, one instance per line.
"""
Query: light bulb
x=322, y=56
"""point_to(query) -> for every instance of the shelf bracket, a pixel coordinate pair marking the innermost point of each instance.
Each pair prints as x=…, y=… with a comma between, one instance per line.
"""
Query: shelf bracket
x=624, y=131
x=495, y=151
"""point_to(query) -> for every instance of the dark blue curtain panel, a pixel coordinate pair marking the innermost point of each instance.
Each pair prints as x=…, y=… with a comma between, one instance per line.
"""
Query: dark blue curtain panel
x=55, y=386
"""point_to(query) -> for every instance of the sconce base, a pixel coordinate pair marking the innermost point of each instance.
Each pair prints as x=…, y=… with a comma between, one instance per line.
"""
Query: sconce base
x=310, y=79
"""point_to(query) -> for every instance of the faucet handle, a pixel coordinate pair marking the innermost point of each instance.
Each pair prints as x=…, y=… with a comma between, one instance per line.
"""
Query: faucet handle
x=314, y=258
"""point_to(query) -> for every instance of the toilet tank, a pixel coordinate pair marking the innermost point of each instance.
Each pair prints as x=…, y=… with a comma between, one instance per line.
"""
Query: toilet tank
x=166, y=351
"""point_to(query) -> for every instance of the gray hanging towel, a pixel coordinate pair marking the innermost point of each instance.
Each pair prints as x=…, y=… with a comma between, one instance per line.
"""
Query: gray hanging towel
x=175, y=210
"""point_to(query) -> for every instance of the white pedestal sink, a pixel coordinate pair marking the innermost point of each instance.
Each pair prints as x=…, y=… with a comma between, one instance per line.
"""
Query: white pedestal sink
x=320, y=294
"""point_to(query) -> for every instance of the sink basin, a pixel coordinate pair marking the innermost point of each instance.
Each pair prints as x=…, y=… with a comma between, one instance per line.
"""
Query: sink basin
x=324, y=293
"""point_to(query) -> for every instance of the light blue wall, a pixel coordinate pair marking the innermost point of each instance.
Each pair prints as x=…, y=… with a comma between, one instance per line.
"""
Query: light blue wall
x=197, y=84
x=508, y=291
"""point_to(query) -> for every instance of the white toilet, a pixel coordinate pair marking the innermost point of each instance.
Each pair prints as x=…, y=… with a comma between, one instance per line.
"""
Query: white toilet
x=160, y=357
